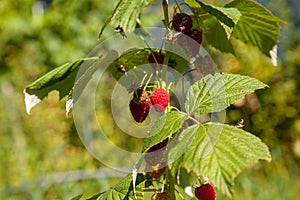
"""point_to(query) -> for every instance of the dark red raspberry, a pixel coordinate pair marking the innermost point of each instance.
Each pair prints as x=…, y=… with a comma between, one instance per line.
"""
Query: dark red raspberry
x=139, y=111
x=196, y=35
x=161, y=196
x=182, y=22
x=190, y=41
x=205, y=192
x=160, y=99
x=155, y=154
x=156, y=60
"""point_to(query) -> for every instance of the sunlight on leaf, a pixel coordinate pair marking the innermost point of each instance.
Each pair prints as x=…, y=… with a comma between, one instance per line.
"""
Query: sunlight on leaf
x=165, y=126
x=61, y=79
x=256, y=26
x=219, y=152
x=125, y=14
x=124, y=189
x=215, y=93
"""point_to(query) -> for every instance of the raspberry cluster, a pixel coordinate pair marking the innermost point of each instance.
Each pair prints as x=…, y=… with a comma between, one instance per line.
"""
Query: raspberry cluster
x=189, y=39
x=139, y=105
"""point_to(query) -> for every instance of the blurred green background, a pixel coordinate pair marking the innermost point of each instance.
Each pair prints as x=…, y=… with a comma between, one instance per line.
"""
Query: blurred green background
x=41, y=154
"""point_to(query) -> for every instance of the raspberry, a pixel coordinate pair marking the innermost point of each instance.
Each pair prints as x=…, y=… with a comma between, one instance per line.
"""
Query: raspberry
x=139, y=111
x=155, y=59
x=156, y=152
x=160, y=99
x=205, y=192
x=161, y=196
x=196, y=35
x=182, y=22
x=190, y=41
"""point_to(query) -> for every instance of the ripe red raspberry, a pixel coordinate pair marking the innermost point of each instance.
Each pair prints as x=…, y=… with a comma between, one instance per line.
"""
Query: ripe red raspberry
x=155, y=154
x=205, y=192
x=190, y=41
x=139, y=111
x=161, y=196
x=160, y=99
x=156, y=60
x=182, y=22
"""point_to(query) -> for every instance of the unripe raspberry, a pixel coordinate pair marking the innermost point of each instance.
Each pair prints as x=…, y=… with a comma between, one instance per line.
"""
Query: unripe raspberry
x=160, y=99
x=182, y=22
x=205, y=192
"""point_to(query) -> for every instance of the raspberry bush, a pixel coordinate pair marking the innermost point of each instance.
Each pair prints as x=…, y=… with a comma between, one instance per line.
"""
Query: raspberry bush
x=179, y=140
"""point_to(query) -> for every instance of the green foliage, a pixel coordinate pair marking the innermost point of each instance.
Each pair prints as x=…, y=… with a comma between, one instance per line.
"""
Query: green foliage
x=228, y=16
x=129, y=60
x=126, y=13
x=164, y=127
x=244, y=20
x=33, y=42
x=61, y=79
x=256, y=25
x=124, y=189
x=219, y=152
x=276, y=122
x=215, y=93
x=216, y=35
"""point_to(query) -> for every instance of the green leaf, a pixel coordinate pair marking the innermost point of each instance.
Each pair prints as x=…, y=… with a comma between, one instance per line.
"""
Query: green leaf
x=132, y=66
x=124, y=189
x=65, y=78
x=217, y=29
x=228, y=16
x=214, y=93
x=61, y=79
x=216, y=35
x=78, y=197
x=256, y=26
x=129, y=60
x=181, y=194
x=164, y=127
x=219, y=152
x=125, y=14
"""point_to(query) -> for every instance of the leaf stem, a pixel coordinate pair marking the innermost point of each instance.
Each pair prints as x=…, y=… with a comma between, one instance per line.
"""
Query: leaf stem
x=172, y=181
x=165, y=5
x=193, y=119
